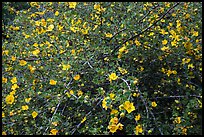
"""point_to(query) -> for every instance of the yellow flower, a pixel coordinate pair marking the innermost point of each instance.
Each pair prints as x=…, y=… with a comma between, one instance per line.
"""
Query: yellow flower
x=190, y=66
x=53, y=82
x=36, y=52
x=163, y=32
x=188, y=45
x=109, y=35
x=120, y=126
x=79, y=93
x=73, y=51
x=43, y=23
x=135, y=81
x=164, y=42
x=136, y=94
x=195, y=33
x=25, y=107
x=185, y=60
x=114, y=111
x=177, y=120
x=35, y=44
x=164, y=48
x=84, y=119
x=9, y=99
x=13, y=92
x=154, y=104
x=27, y=100
x=137, y=42
x=72, y=5
x=54, y=123
x=73, y=29
x=122, y=114
x=112, y=96
x=4, y=133
x=32, y=69
x=50, y=27
x=54, y=131
x=77, y=77
x=104, y=104
x=174, y=72
x=137, y=117
x=71, y=92
x=13, y=58
x=113, y=128
x=11, y=113
x=122, y=49
x=14, y=87
x=112, y=76
x=65, y=67
x=187, y=16
x=3, y=114
x=129, y=106
x=56, y=13
x=4, y=80
x=138, y=129
x=60, y=27
x=34, y=114
x=122, y=71
x=68, y=95
x=97, y=6
x=22, y=62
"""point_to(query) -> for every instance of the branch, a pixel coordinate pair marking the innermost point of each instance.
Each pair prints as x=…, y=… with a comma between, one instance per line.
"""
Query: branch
x=133, y=37
x=117, y=34
x=86, y=116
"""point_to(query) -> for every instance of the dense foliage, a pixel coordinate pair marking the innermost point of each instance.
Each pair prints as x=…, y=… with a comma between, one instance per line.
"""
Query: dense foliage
x=102, y=68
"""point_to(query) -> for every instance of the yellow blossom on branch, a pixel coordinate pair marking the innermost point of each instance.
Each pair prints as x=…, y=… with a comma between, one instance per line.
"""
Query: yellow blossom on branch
x=22, y=62
x=77, y=77
x=138, y=129
x=53, y=82
x=154, y=104
x=112, y=76
x=83, y=120
x=54, y=132
x=14, y=80
x=50, y=27
x=137, y=117
x=25, y=107
x=9, y=99
x=109, y=35
x=129, y=106
x=72, y=4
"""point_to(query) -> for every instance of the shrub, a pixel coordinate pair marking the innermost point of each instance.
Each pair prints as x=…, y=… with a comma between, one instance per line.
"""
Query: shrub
x=102, y=68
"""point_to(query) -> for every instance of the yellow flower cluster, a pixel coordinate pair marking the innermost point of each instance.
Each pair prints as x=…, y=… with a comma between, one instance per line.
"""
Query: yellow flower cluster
x=138, y=129
x=122, y=71
x=114, y=125
x=168, y=72
x=122, y=50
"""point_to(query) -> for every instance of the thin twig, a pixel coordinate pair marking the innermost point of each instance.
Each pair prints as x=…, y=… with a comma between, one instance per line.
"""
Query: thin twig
x=117, y=33
x=180, y=96
x=52, y=117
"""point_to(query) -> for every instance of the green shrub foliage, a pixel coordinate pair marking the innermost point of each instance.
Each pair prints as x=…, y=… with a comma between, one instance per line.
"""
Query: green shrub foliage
x=101, y=68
